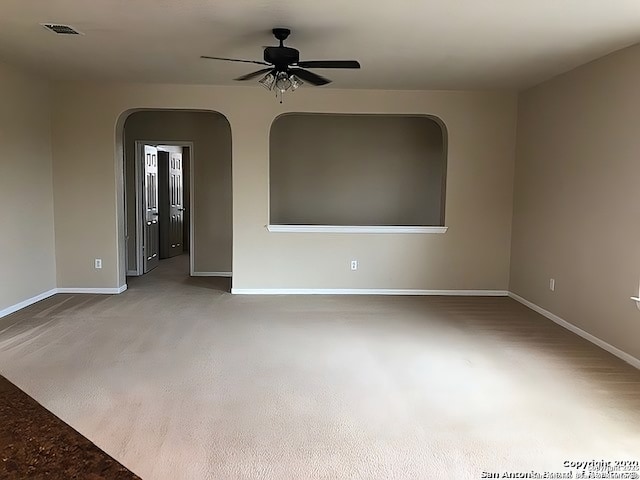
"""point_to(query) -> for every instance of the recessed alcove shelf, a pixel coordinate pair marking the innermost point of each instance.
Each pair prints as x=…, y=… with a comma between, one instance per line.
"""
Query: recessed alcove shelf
x=353, y=229
x=357, y=173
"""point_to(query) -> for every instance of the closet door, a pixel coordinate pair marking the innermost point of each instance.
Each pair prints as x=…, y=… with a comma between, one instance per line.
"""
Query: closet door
x=151, y=243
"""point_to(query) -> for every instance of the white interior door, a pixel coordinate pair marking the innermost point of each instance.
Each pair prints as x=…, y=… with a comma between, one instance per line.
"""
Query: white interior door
x=176, y=204
x=151, y=241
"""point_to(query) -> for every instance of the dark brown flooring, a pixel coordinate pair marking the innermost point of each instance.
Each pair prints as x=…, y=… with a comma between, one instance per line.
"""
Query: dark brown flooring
x=34, y=444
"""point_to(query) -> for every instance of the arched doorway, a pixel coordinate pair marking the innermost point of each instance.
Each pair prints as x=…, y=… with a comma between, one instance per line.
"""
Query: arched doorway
x=203, y=140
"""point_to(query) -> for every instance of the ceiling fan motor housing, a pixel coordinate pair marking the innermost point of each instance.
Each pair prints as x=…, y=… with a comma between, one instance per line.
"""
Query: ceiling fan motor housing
x=281, y=57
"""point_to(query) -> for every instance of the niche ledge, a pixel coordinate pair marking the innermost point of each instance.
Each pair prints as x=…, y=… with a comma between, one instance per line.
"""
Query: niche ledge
x=353, y=229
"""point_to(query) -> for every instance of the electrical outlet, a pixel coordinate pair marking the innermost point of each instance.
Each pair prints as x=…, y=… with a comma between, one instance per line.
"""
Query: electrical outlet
x=354, y=264
x=552, y=284
x=98, y=263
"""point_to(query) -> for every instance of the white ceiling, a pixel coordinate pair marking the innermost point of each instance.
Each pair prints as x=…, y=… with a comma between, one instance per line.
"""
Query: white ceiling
x=401, y=44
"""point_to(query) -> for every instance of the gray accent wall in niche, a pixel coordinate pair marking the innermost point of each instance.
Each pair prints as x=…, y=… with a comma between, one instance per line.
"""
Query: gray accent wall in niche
x=361, y=170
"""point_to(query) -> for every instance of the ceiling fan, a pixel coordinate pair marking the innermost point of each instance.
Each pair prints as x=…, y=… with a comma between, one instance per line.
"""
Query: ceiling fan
x=284, y=69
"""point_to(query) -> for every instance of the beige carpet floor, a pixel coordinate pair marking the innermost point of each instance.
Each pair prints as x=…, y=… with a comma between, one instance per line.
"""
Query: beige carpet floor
x=178, y=379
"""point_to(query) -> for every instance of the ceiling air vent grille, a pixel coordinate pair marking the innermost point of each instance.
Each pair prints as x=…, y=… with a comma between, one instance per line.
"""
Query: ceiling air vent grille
x=61, y=29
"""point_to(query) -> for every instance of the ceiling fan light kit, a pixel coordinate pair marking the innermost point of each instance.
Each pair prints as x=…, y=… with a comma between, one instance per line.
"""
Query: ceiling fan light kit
x=285, y=71
x=268, y=81
x=281, y=82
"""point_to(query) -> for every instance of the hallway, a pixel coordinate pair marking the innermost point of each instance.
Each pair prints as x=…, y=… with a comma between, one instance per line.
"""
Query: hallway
x=173, y=273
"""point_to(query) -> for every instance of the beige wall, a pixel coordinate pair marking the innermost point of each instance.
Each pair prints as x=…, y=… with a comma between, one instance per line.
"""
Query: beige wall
x=27, y=251
x=576, y=208
x=211, y=137
x=356, y=170
x=473, y=254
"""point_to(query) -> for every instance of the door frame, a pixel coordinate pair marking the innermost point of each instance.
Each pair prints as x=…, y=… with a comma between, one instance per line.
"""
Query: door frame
x=139, y=158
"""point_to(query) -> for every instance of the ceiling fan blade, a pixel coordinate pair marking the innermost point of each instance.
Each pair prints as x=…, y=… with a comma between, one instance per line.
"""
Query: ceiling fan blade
x=233, y=60
x=309, y=77
x=255, y=74
x=329, y=64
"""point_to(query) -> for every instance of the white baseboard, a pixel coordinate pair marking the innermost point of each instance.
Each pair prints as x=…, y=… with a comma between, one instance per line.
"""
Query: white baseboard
x=102, y=291
x=351, y=291
x=365, y=291
x=578, y=331
x=211, y=274
x=29, y=301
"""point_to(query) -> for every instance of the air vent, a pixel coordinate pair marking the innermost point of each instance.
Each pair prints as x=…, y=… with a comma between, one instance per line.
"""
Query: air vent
x=61, y=29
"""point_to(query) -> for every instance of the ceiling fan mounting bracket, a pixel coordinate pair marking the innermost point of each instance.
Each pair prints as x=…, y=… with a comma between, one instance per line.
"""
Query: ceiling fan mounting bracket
x=281, y=34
